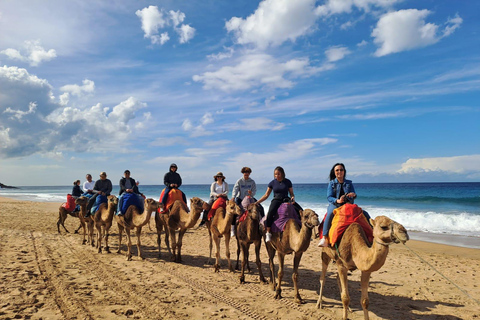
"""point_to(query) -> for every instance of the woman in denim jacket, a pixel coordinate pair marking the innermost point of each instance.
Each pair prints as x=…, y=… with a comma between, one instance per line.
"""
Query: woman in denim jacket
x=339, y=192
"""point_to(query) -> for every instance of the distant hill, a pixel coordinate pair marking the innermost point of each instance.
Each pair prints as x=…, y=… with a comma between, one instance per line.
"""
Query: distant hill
x=6, y=187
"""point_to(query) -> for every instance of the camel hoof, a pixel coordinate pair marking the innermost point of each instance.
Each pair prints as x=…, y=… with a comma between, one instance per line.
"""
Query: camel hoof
x=84, y=242
x=119, y=251
x=278, y=295
x=242, y=279
x=217, y=268
x=263, y=280
x=107, y=249
x=129, y=258
x=99, y=250
x=76, y=231
x=299, y=300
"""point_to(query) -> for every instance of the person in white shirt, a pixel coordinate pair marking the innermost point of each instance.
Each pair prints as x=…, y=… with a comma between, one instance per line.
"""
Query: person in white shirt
x=218, y=189
x=88, y=185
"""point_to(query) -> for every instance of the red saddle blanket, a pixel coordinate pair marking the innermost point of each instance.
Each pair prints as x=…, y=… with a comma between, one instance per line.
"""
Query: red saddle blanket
x=173, y=196
x=70, y=204
x=219, y=203
x=342, y=218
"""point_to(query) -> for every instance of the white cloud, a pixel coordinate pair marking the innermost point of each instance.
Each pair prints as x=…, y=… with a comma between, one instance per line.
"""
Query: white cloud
x=336, y=53
x=255, y=124
x=457, y=164
x=32, y=53
x=19, y=114
x=406, y=30
x=228, y=53
x=274, y=22
x=169, y=141
x=257, y=70
x=346, y=6
x=199, y=130
x=87, y=87
x=186, y=33
x=154, y=19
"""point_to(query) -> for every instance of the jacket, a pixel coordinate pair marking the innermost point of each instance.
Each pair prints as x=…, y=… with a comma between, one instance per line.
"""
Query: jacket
x=241, y=187
x=172, y=177
x=123, y=188
x=333, y=189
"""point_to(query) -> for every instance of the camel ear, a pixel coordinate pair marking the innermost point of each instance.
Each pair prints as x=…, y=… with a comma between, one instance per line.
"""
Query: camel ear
x=301, y=213
x=372, y=222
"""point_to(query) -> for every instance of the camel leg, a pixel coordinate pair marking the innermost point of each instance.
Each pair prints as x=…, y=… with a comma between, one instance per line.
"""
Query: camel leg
x=129, y=244
x=61, y=221
x=107, y=229
x=227, y=249
x=271, y=255
x=173, y=243
x=239, y=249
x=84, y=232
x=211, y=244
x=159, y=238
x=258, y=244
x=139, y=244
x=90, y=233
x=342, y=274
x=217, y=254
x=325, y=263
x=244, y=259
x=99, y=237
x=296, y=263
x=79, y=226
x=120, y=234
x=181, y=233
x=278, y=290
x=364, y=299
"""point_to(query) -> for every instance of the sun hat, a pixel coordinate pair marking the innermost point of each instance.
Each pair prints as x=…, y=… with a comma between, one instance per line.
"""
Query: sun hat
x=219, y=174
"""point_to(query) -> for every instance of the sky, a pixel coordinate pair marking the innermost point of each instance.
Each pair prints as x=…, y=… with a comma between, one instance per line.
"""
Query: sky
x=390, y=88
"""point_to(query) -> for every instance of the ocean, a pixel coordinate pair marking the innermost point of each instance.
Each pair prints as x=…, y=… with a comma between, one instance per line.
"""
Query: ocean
x=427, y=210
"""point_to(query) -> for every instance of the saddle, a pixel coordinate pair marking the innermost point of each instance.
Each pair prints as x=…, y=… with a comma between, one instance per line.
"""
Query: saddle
x=70, y=205
x=173, y=195
x=285, y=212
x=221, y=202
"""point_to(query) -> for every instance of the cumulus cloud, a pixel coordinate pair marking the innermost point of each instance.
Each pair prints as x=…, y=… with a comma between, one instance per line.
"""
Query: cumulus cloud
x=274, y=22
x=198, y=130
x=53, y=126
x=458, y=164
x=257, y=70
x=87, y=87
x=32, y=53
x=228, y=53
x=346, y=6
x=186, y=33
x=336, y=53
x=154, y=19
x=406, y=30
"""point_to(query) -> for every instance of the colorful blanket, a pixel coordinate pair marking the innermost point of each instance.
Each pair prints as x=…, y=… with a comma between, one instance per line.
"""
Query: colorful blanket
x=70, y=204
x=219, y=203
x=286, y=211
x=132, y=199
x=173, y=195
x=245, y=203
x=343, y=217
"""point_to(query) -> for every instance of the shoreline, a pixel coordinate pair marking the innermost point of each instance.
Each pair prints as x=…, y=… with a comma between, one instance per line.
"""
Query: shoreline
x=456, y=241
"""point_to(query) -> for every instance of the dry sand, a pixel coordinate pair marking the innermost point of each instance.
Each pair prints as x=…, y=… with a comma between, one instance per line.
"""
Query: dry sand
x=46, y=275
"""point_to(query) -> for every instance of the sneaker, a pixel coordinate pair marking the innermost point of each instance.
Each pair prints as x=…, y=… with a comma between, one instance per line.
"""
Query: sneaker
x=268, y=237
x=323, y=243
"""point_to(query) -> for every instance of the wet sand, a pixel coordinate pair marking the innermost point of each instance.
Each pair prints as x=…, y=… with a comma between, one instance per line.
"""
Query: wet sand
x=47, y=275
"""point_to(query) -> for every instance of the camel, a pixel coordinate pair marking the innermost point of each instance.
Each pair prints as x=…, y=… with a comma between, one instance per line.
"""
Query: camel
x=178, y=218
x=294, y=239
x=134, y=219
x=84, y=222
x=220, y=226
x=248, y=232
x=62, y=216
x=354, y=252
x=103, y=221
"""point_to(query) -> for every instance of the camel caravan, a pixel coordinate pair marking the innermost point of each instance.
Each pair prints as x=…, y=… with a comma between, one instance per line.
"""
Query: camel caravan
x=355, y=242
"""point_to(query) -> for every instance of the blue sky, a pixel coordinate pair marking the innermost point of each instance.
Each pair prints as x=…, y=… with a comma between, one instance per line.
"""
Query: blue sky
x=390, y=88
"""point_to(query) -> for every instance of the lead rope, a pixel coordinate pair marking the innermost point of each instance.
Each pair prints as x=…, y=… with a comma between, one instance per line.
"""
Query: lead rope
x=464, y=292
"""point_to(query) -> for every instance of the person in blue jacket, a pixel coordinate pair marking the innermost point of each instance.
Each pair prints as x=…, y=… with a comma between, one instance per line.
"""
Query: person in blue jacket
x=339, y=191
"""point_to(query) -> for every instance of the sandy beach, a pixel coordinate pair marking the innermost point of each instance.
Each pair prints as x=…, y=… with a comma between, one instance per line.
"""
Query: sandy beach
x=46, y=275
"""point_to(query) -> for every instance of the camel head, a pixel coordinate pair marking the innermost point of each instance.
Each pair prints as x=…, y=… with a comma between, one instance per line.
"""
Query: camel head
x=112, y=200
x=253, y=211
x=233, y=208
x=387, y=231
x=196, y=203
x=151, y=205
x=309, y=218
x=82, y=201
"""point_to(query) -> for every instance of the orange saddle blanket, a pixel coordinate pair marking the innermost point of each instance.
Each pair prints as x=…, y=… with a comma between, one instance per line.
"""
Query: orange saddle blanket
x=219, y=203
x=342, y=218
x=173, y=196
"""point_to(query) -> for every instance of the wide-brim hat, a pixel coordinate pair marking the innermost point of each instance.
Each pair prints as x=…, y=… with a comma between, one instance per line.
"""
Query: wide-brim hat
x=219, y=174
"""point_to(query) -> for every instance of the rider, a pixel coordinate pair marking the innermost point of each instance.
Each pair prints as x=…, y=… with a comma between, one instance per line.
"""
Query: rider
x=88, y=185
x=339, y=192
x=172, y=180
x=127, y=185
x=281, y=187
x=102, y=187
